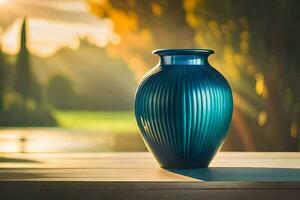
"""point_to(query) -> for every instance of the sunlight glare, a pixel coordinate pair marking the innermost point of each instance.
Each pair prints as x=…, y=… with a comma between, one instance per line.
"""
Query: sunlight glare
x=43, y=43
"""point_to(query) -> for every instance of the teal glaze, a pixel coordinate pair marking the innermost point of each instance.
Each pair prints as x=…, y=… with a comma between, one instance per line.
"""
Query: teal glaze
x=183, y=107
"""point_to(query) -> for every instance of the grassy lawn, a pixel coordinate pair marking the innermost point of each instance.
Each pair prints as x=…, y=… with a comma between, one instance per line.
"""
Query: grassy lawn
x=106, y=121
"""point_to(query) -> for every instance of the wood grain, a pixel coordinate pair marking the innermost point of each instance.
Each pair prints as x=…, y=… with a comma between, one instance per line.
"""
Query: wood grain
x=132, y=175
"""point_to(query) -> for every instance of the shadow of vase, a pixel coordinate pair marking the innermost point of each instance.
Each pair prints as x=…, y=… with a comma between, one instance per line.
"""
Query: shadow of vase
x=240, y=174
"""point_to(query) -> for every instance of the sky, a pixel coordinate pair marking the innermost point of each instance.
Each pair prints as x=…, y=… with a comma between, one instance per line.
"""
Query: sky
x=52, y=24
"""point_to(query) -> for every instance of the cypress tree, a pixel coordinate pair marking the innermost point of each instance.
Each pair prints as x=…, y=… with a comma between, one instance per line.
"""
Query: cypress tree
x=2, y=79
x=25, y=83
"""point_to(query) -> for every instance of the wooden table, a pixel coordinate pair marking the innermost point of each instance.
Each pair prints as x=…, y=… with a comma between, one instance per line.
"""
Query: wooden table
x=232, y=175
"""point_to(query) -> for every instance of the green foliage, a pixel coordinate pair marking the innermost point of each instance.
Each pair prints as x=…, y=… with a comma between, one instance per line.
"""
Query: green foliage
x=20, y=113
x=60, y=92
x=21, y=117
x=99, y=81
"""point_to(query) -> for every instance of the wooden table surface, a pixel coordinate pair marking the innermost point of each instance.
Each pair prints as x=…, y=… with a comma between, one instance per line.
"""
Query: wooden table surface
x=137, y=176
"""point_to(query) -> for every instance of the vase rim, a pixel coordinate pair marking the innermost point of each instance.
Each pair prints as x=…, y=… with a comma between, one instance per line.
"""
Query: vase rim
x=183, y=52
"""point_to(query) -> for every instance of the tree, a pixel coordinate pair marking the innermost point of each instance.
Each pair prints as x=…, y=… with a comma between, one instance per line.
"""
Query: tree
x=258, y=37
x=25, y=83
x=2, y=79
x=60, y=92
x=144, y=26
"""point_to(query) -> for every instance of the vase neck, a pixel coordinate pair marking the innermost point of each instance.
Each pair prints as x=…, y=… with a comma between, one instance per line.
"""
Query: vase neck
x=183, y=56
x=183, y=60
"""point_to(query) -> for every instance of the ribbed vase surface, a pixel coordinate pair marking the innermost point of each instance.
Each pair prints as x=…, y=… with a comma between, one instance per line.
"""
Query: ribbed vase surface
x=183, y=107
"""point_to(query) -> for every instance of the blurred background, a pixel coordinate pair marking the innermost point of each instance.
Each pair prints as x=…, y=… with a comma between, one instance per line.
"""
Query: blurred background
x=69, y=69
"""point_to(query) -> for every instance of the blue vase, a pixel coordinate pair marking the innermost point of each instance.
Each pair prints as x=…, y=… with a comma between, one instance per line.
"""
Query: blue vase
x=183, y=107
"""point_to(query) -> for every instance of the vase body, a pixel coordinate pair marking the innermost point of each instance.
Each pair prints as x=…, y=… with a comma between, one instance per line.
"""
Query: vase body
x=183, y=108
